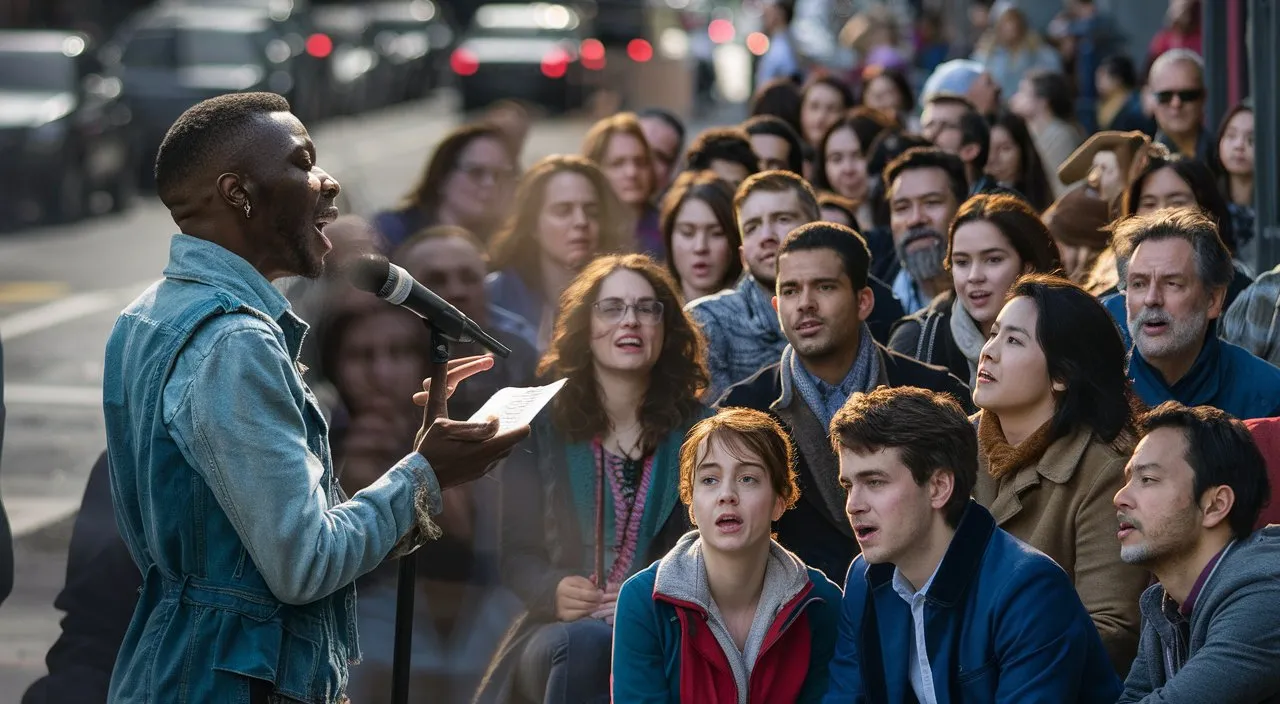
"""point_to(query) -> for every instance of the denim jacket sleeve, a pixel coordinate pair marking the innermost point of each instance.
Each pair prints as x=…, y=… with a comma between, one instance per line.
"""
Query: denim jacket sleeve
x=233, y=405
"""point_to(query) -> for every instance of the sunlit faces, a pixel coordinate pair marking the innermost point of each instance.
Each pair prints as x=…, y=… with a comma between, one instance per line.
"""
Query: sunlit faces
x=733, y=500
x=846, y=165
x=1164, y=188
x=478, y=188
x=1169, y=308
x=940, y=124
x=294, y=200
x=569, y=223
x=1181, y=84
x=626, y=165
x=921, y=201
x=819, y=311
x=774, y=152
x=1013, y=373
x=664, y=145
x=891, y=515
x=1157, y=511
x=454, y=268
x=820, y=109
x=1004, y=163
x=1236, y=147
x=699, y=248
x=765, y=218
x=983, y=267
x=632, y=343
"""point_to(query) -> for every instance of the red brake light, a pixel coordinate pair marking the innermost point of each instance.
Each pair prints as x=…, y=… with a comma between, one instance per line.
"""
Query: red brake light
x=319, y=45
x=464, y=63
x=757, y=43
x=592, y=53
x=639, y=50
x=556, y=63
x=720, y=31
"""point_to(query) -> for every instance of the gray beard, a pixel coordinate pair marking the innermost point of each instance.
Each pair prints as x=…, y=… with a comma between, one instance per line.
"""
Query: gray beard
x=923, y=263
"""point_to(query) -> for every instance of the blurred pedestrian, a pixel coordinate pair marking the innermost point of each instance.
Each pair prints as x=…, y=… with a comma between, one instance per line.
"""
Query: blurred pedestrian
x=1182, y=31
x=964, y=78
x=822, y=101
x=1119, y=102
x=781, y=98
x=1014, y=161
x=617, y=146
x=888, y=92
x=1235, y=168
x=1176, y=82
x=665, y=134
x=775, y=143
x=1044, y=101
x=926, y=187
x=1012, y=49
x=840, y=159
x=701, y=234
x=726, y=151
x=780, y=60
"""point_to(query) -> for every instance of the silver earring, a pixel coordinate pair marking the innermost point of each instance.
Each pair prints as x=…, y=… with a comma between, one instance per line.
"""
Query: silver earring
x=246, y=209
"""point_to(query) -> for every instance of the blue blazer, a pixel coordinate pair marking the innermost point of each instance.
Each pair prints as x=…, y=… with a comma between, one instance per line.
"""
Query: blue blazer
x=1002, y=622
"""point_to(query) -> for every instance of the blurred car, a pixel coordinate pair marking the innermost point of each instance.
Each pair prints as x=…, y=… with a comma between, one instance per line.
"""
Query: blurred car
x=413, y=38
x=65, y=134
x=536, y=52
x=359, y=79
x=174, y=57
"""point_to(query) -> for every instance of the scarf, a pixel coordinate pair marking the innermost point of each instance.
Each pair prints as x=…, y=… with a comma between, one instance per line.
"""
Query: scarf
x=1005, y=459
x=968, y=338
x=826, y=399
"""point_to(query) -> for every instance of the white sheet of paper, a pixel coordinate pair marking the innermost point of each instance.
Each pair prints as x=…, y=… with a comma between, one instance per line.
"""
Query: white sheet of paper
x=516, y=406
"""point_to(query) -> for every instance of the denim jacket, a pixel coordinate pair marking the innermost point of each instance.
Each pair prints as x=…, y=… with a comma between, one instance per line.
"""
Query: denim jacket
x=225, y=494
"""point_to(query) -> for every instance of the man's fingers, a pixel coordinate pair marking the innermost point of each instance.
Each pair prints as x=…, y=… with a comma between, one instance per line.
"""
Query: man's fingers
x=462, y=371
x=466, y=431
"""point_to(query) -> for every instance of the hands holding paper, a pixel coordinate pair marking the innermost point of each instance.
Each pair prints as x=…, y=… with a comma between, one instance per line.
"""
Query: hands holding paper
x=462, y=451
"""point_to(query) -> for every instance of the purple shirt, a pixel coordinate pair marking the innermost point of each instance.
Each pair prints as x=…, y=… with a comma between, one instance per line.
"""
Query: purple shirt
x=1190, y=602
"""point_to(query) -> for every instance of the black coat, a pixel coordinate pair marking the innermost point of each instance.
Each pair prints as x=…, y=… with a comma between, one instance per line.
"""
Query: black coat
x=926, y=336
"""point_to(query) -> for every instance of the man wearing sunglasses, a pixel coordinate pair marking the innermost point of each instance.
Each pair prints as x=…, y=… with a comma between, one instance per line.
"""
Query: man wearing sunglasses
x=1176, y=82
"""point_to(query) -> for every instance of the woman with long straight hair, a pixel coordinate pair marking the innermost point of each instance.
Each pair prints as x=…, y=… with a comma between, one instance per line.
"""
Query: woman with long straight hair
x=618, y=146
x=700, y=233
x=591, y=498
x=1014, y=162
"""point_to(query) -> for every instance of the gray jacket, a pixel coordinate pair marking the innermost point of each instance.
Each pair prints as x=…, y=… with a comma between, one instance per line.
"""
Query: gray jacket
x=1234, y=653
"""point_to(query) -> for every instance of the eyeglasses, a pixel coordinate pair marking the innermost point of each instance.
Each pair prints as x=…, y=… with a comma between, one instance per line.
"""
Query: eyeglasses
x=478, y=173
x=1187, y=96
x=613, y=310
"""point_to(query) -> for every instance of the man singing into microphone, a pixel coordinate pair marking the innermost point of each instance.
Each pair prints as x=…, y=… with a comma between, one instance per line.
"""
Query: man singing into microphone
x=220, y=469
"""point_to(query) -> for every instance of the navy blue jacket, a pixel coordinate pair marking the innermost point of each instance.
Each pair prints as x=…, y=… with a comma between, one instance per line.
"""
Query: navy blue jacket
x=1224, y=376
x=1003, y=624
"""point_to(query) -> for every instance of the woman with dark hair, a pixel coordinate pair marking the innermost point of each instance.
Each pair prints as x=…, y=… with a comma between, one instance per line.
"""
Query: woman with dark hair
x=1054, y=434
x=840, y=160
x=993, y=240
x=1119, y=100
x=1235, y=169
x=591, y=497
x=565, y=214
x=467, y=182
x=1045, y=101
x=701, y=234
x=822, y=101
x=888, y=92
x=779, y=97
x=1014, y=162
x=618, y=146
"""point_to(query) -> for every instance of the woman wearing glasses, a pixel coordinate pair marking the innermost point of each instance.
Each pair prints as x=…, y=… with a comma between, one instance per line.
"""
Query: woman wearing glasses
x=591, y=497
x=467, y=183
x=565, y=214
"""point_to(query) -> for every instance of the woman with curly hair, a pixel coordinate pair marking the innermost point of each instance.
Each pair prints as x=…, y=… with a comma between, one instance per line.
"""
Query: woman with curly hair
x=591, y=497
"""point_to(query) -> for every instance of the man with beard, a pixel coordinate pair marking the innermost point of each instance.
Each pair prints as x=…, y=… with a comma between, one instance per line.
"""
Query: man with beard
x=1210, y=630
x=925, y=189
x=220, y=466
x=1176, y=281
x=740, y=325
x=823, y=300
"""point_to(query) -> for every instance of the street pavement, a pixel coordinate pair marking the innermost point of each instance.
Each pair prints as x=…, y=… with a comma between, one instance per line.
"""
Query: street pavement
x=60, y=291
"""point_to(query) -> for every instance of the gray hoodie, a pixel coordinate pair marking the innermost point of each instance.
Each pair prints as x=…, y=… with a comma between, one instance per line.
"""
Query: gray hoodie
x=682, y=575
x=1233, y=654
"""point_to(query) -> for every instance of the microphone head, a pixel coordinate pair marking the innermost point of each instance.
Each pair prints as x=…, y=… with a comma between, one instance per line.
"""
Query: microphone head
x=369, y=272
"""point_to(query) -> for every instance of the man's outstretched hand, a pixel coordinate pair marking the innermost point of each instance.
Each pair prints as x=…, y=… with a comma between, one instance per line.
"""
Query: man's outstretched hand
x=460, y=451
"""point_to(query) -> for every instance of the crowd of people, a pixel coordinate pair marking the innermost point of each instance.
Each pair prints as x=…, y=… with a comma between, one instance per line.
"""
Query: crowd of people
x=883, y=395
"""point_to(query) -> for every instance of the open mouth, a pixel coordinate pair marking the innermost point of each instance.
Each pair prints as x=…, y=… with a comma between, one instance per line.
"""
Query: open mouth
x=700, y=268
x=808, y=328
x=985, y=377
x=323, y=219
x=1155, y=327
x=629, y=342
x=729, y=523
x=979, y=298
x=864, y=533
x=1125, y=529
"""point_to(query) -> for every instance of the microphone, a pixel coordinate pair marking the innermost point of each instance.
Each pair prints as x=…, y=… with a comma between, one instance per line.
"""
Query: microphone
x=374, y=274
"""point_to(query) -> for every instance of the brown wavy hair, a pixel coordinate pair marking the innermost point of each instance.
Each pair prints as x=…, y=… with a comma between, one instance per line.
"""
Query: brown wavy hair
x=516, y=245
x=678, y=377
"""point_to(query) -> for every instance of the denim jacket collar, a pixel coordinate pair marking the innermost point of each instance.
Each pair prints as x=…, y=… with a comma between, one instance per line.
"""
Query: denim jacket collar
x=204, y=262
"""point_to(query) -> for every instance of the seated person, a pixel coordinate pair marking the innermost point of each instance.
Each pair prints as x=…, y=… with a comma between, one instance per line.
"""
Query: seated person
x=770, y=620
x=1210, y=628
x=942, y=605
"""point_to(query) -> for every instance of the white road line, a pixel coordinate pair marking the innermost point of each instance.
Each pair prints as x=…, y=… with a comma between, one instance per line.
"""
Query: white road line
x=42, y=395
x=67, y=309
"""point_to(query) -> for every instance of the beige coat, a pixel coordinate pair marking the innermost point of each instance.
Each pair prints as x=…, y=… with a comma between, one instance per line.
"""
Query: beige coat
x=1062, y=506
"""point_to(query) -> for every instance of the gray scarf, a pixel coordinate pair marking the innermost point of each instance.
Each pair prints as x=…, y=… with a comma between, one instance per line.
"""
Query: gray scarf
x=967, y=336
x=825, y=399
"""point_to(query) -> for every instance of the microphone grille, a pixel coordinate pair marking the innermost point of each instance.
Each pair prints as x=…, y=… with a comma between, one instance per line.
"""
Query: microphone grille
x=371, y=273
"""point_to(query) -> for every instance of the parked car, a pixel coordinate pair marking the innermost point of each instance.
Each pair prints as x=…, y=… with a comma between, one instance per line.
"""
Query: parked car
x=534, y=52
x=359, y=78
x=413, y=37
x=65, y=133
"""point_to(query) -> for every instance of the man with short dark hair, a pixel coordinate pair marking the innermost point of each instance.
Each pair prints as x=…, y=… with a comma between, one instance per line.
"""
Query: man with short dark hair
x=223, y=483
x=925, y=188
x=955, y=127
x=1210, y=627
x=823, y=298
x=724, y=150
x=942, y=605
x=665, y=134
x=1175, y=283
x=775, y=143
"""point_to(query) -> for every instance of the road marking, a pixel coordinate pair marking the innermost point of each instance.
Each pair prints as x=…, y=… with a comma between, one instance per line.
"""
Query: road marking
x=67, y=309
x=32, y=291
x=42, y=395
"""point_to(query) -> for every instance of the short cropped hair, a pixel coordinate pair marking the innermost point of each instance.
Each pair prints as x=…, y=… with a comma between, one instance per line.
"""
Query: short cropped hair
x=929, y=430
x=1221, y=452
x=747, y=434
x=1174, y=56
x=844, y=241
x=667, y=117
x=1213, y=261
x=723, y=143
x=929, y=158
x=778, y=181
x=201, y=134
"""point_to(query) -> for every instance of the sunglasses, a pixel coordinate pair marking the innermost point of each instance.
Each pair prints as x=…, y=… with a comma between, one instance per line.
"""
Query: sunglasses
x=1187, y=96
